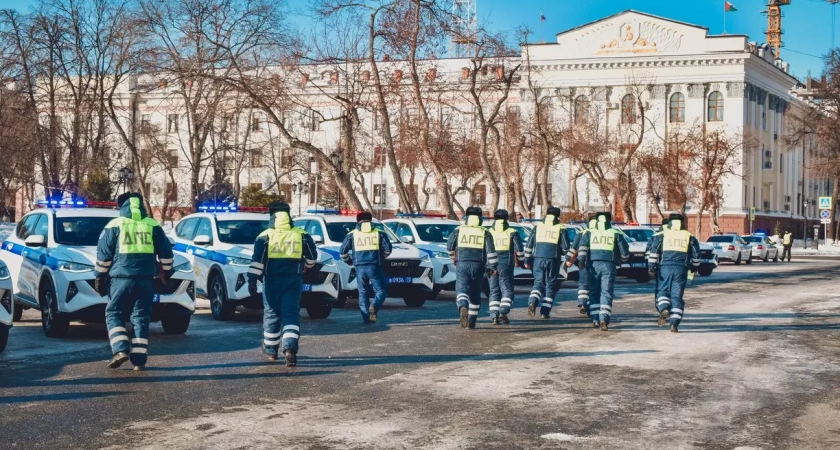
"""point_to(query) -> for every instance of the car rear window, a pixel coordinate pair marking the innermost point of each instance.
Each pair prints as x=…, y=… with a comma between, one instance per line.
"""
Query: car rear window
x=79, y=231
x=719, y=239
x=438, y=232
x=639, y=234
x=753, y=238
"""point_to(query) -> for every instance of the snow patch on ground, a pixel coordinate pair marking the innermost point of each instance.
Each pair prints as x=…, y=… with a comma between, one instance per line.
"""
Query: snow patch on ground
x=564, y=437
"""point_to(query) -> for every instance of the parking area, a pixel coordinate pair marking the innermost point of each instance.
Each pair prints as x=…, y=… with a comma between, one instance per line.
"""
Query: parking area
x=754, y=366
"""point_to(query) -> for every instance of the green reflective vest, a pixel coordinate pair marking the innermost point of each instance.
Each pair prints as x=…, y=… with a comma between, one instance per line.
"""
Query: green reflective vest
x=286, y=244
x=602, y=240
x=135, y=236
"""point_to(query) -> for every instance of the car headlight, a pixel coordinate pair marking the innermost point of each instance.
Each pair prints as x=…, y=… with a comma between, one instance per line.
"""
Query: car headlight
x=426, y=259
x=185, y=267
x=440, y=255
x=69, y=266
x=4, y=272
x=329, y=262
x=237, y=261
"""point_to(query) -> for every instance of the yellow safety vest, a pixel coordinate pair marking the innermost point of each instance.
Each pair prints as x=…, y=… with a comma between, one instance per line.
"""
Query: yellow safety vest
x=286, y=244
x=788, y=237
x=501, y=239
x=602, y=240
x=365, y=241
x=471, y=237
x=548, y=234
x=135, y=235
x=676, y=241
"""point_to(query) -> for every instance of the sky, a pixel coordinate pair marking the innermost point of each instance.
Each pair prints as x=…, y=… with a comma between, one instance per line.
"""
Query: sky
x=807, y=23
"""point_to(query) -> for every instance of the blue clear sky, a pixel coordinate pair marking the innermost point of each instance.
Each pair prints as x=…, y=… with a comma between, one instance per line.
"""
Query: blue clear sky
x=807, y=23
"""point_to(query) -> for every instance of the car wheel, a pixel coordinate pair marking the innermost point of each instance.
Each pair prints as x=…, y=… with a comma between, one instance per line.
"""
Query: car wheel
x=4, y=337
x=435, y=293
x=705, y=272
x=749, y=259
x=414, y=300
x=643, y=278
x=766, y=256
x=175, y=323
x=776, y=256
x=341, y=301
x=319, y=310
x=219, y=306
x=53, y=324
x=738, y=260
x=17, y=314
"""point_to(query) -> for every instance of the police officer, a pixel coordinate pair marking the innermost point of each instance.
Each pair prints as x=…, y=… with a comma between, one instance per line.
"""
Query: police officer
x=370, y=247
x=652, y=273
x=672, y=255
x=471, y=247
x=125, y=260
x=583, y=274
x=544, y=255
x=602, y=250
x=281, y=254
x=787, y=242
x=508, y=247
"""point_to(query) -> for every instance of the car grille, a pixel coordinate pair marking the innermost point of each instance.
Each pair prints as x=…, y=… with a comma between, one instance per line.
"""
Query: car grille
x=706, y=254
x=402, y=268
x=170, y=287
x=314, y=275
x=637, y=258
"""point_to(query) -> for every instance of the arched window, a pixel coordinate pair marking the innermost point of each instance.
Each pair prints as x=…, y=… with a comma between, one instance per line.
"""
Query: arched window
x=677, y=108
x=715, y=107
x=628, y=109
x=581, y=109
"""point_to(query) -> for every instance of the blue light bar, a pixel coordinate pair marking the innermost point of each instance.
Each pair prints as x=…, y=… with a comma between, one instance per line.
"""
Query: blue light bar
x=214, y=207
x=68, y=203
x=324, y=212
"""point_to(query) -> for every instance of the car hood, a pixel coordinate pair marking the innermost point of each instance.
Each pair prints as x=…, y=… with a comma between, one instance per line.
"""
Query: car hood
x=400, y=251
x=637, y=247
x=428, y=248
x=705, y=246
x=87, y=255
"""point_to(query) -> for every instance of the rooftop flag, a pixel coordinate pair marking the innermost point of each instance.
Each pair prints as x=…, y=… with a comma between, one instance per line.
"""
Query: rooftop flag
x=729, y=7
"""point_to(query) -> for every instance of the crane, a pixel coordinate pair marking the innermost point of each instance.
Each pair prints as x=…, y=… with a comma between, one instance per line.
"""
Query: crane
x=774, y=29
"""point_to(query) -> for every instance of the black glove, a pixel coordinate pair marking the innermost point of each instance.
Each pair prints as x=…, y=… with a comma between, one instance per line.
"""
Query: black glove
x=652, y=272
x=102, y=285
x=252, y=287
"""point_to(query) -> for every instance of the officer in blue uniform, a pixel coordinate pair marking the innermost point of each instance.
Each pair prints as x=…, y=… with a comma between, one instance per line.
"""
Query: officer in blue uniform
x=127, y=256
x=583, y=274
x=544, y=255
x=471, y=248
x=602, y=250
x=281, y=254
x=673, y=253
x=509, y=250
x=652, y=273
x=369, y=248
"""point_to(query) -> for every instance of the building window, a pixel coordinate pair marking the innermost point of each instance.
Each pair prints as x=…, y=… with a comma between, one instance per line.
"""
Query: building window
x=172, y=192
x=314, y=121
x=512, y=116
x=286, y=192
x=581, y=109
x=379, y=195
x=628, y=109
x=255, y=122
x=287, y=158
x=146, y=122
x=677, y=108
x=446, y=117
x=256, y=158
x=172, y=157
x=715, y=107
x=378, y=156
x=172, y=123
x=479, y=197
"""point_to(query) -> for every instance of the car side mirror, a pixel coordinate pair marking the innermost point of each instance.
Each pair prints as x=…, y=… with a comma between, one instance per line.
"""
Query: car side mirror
x=318, y=239
x=407, y=239
x=35, y=240
x=202, y=239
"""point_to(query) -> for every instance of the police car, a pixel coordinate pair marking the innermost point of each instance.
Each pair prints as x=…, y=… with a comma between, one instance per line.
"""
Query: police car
x=409, y=271
x=219, y=242
x=429, y=233
x=51, y=256
x=7, y=306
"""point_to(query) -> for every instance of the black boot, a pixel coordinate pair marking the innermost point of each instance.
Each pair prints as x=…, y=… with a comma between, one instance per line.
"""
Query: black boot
x=532, y=309
x=495, y=320
x=663, y=318
x=505, y=319
x=464, y=317
x=674, y=329
x=117, y=360
x=291, y=358
x=583, y=310
x=604, y=326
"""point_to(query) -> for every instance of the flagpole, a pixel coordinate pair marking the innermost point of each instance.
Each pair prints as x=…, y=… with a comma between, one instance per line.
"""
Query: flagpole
x=542, y=37
x=724, y=17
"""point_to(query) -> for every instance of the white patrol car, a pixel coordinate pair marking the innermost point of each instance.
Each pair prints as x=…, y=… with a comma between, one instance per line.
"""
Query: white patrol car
x=430, y=236
x=51, y=256
x=409, y=271
x=639, y=236
x=220, y=246
x=7, y=306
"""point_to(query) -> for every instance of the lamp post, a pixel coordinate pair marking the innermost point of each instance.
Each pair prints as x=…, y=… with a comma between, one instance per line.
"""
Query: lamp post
x=805, y=222
x=300, y=188
x=338, y=161
x=125, y=176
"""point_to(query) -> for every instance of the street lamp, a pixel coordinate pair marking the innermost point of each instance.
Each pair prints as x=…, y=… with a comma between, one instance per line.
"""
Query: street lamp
x=125, y=176
x=805, y=203
x=338, y=161
x=300, y=188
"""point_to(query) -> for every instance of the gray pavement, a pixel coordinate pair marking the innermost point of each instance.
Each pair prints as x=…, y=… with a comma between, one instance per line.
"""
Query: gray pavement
x=754, y=367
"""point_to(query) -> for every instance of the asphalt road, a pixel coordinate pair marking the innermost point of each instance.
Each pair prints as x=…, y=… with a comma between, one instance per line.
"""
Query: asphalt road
x=755, y=366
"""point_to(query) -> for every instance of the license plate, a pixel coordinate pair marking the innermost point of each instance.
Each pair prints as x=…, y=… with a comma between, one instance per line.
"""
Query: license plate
x=306, y=288
x=706, y=261
x=638, y=265
x=400, y=280
x=156, y=298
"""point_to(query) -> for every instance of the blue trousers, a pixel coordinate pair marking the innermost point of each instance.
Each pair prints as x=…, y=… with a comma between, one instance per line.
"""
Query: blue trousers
x=601, y=290
x=134, y=297
x=670, y=287
x=367, y=276
x=468, y=279
x=281, y=317
x=546, y=271
x=583, y=287
x=501, y=287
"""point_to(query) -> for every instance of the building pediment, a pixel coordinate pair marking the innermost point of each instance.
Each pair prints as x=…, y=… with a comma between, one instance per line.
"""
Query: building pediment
x=634, y=33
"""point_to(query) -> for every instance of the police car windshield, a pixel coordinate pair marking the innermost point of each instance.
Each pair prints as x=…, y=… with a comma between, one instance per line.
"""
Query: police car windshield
x=522, y=232
x=572, y=233
x=240, y=232
x=438, y=232
x=79, y=231
x=754, y=238
x=725, y=238
x=338, y=231
x=639, y=235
